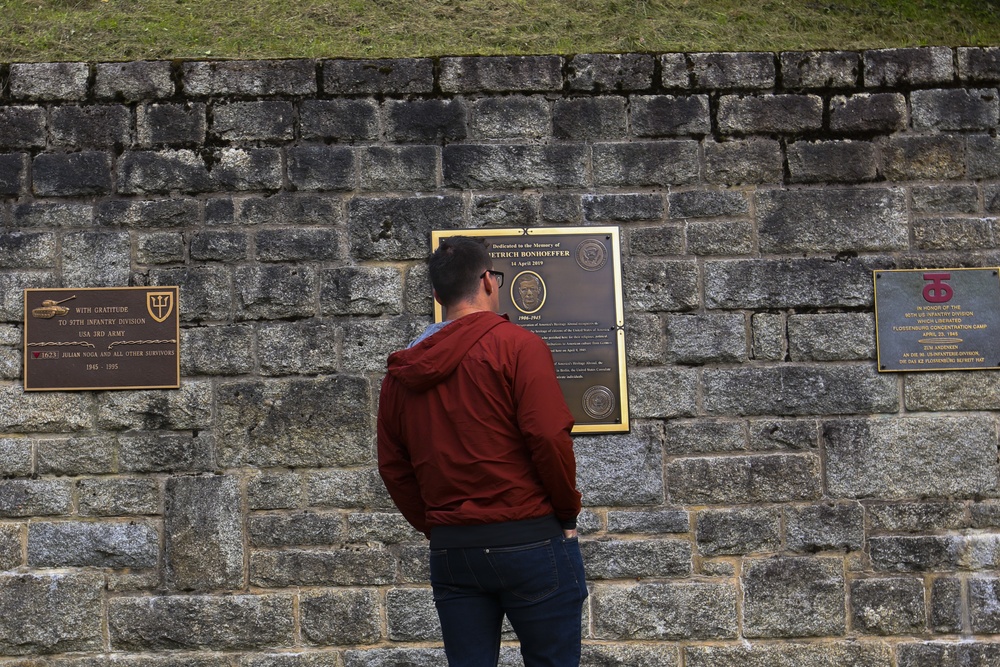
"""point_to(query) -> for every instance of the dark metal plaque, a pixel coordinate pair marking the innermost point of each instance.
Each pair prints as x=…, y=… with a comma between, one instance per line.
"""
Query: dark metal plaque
x=101, y=338
x=937, y=319
x=565, y=285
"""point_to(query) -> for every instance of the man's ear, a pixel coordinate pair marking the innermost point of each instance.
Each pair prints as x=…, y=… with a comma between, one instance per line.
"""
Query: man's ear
x=437, y=298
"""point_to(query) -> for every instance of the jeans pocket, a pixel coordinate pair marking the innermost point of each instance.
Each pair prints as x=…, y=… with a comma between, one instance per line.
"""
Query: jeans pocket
x=527, y=571
x=571, y=549
x=442, y=582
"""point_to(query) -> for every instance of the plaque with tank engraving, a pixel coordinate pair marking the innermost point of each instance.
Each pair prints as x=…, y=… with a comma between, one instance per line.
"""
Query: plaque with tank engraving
x=101, y=338
x=564, y=284
x=937, y=319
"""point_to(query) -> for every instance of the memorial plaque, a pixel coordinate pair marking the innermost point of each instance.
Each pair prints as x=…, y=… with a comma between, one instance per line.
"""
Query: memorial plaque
x=565, y=285
x=101, y=338
x=937, y=319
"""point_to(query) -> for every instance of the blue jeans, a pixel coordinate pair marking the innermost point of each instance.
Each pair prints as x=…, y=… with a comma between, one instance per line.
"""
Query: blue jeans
x=539, y=586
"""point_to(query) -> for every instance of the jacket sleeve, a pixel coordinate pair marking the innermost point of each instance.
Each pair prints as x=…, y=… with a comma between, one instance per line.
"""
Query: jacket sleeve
x=394, y=464
x=545, y=423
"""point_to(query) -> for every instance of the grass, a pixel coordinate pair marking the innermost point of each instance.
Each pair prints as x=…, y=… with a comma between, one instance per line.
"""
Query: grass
x=115, y=30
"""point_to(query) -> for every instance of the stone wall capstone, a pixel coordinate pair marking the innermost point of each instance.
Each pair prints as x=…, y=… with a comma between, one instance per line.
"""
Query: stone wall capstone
x=777, y=501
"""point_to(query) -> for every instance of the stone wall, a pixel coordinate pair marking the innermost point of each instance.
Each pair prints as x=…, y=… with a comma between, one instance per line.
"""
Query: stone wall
x=777, y=502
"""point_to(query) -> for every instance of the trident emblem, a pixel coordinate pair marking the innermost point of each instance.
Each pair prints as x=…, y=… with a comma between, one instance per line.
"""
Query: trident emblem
x=159, y=305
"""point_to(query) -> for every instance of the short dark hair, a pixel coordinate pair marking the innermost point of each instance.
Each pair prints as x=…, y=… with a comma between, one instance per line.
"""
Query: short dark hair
x=456, y=266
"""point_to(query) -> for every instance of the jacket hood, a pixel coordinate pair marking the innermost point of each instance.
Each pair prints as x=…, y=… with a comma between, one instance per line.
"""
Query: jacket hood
x=436, y=357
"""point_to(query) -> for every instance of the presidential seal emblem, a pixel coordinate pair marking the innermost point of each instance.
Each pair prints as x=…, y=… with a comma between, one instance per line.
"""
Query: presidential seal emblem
x=598, y=402
x=591, y=255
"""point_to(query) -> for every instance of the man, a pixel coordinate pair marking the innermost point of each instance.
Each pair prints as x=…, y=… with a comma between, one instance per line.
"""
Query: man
x=474, y=447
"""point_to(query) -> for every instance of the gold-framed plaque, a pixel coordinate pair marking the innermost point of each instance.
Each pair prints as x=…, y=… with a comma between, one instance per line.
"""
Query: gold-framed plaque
x=937, y=319
x=101, y=338
x=565, y=285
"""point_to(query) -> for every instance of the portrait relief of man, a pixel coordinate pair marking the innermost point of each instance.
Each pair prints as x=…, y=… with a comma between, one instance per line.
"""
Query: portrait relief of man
x=528, y=292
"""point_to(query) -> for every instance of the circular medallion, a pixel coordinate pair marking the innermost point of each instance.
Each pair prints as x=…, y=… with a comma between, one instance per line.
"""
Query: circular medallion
x=527, y=292
x=599, y=402
x=591, y=255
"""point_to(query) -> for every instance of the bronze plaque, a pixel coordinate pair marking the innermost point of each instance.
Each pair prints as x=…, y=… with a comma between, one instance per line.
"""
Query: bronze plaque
x=564, y=284
x=101, y=338
x=937, y=319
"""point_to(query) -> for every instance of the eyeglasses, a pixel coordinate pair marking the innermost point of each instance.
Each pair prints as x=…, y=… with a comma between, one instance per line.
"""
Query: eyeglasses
x=498, y=275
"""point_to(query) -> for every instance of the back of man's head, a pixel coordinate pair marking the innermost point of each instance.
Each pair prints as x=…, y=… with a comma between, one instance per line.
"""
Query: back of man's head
x=455, y=268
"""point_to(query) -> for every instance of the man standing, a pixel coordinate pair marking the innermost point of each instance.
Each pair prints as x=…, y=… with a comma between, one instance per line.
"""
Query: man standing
x=474, y=447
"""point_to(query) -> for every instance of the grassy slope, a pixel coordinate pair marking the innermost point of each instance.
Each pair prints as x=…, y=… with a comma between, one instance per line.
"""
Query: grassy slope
x=107, y=30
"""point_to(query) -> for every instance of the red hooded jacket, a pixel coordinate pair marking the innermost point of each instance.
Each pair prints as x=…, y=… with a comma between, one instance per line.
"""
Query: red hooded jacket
x=473, y=428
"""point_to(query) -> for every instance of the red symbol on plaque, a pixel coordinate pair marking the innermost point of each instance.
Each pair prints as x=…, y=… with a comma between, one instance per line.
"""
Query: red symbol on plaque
x=36, y=354
x=938, y=290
